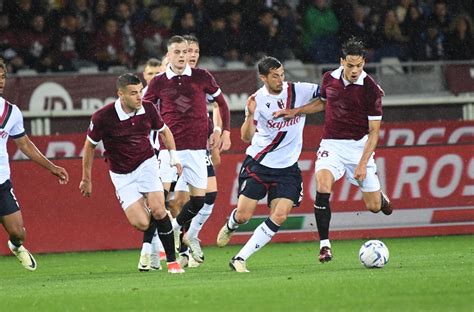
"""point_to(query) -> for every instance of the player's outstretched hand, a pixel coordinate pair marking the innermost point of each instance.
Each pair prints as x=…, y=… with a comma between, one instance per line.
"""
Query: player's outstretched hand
x=61, y=173
x=86, y=188
x=285, y=113
x=250, y=106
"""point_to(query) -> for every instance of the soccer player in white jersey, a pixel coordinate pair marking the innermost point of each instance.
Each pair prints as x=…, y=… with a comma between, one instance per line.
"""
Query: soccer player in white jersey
x=11, y=124
x=353, y=105
x=271, y=166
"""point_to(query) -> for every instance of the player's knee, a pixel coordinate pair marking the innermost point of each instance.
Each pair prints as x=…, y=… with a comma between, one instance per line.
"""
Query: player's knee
x=197, y=202
x=279, y=217
x=159, y=213
x=242, y=216
x=210, y=198
x=141, y=225
x=373, y=206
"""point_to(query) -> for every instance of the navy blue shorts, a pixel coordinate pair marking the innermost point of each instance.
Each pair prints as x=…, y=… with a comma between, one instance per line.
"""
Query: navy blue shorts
x=210, y=165
x=256, y=181
x=8, y=203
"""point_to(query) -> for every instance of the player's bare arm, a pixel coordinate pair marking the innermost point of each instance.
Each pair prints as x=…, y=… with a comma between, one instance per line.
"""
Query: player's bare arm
x=315, y=106
x=225, y=120
x=225, y=135
x=373, y=137
x=168, y=141
x=248, y=128
x=87, y=160
x=31, y=151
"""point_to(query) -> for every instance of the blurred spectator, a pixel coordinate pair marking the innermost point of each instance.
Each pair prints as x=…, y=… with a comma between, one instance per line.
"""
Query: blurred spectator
x=319, y=32
x=127, y=30
x=401, y=10
x=69, y=45
x=432, y=40
x=459, y=43
x=83, y=10
x=235, y=35
x=152, y=36
x=395, y=44
x=36, y=46
x=21, y=12
x=186, y=25
x=198, y=24
x=109, y=46
x=358, y=26
x=101, y=13
x=215, y=42
x=413, y=27
x=440, y=17
x=288, y=30
x=9, y=47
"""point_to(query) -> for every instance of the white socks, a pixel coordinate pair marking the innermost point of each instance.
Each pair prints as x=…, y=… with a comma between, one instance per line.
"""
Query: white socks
x=199, y=220
x=231, y=223
x=261, y=236
x=146, y=249
x=324, y=243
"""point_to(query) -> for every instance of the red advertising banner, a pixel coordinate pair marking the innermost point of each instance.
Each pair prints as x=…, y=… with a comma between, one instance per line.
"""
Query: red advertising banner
x=432, y=189
x=392, y=134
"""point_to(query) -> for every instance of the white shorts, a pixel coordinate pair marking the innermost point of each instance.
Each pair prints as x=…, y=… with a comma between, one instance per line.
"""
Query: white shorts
x=181, y=186
x=194, y=168
x=168, y=174
x=341, y=156
x=130, y=187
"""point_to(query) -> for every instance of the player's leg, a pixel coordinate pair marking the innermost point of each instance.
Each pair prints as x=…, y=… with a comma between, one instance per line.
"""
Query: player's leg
x=374, y=198
x=13, y=224
x=263, y=234
x=250, y=192
x=156, y=202
x=181, y=197
x=195, y=175
x=12, y=220
x=191, y=237
x=322, y=212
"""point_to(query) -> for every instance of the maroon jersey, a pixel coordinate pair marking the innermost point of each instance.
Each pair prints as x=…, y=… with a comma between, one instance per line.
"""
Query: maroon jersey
x=183, y=105
x=125, y=137
x=349, y=107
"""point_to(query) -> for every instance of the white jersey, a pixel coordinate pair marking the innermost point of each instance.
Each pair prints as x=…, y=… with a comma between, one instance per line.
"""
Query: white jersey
x=11, y=125
x=277, y=142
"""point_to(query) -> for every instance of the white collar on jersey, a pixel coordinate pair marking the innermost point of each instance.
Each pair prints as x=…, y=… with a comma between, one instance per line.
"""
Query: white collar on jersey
x=170, y=74
x=123, y=115
x=338, y=73
x=282, y=93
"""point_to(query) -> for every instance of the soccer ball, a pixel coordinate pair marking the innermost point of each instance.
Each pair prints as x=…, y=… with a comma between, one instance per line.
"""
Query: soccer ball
x=373, y=254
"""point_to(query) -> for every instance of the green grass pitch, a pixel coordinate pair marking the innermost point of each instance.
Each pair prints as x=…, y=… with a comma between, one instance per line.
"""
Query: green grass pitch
x=423, y=274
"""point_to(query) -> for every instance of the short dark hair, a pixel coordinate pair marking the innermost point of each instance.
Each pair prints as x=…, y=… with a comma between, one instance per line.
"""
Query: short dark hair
x=266, y=64
x=175, y=39
x=191, y=39
x=353, y=46
x=3, y=65
x=127, y=79
x=153, y=62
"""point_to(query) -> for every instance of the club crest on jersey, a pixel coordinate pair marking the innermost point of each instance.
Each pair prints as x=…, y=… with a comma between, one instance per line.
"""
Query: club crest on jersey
x=267, y=104
x=281, y=105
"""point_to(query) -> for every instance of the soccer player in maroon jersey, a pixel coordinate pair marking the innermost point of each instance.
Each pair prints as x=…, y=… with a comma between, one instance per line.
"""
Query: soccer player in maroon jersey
x=181, y=191
x=353, y=105
x=124, y=127
x=182, y=92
